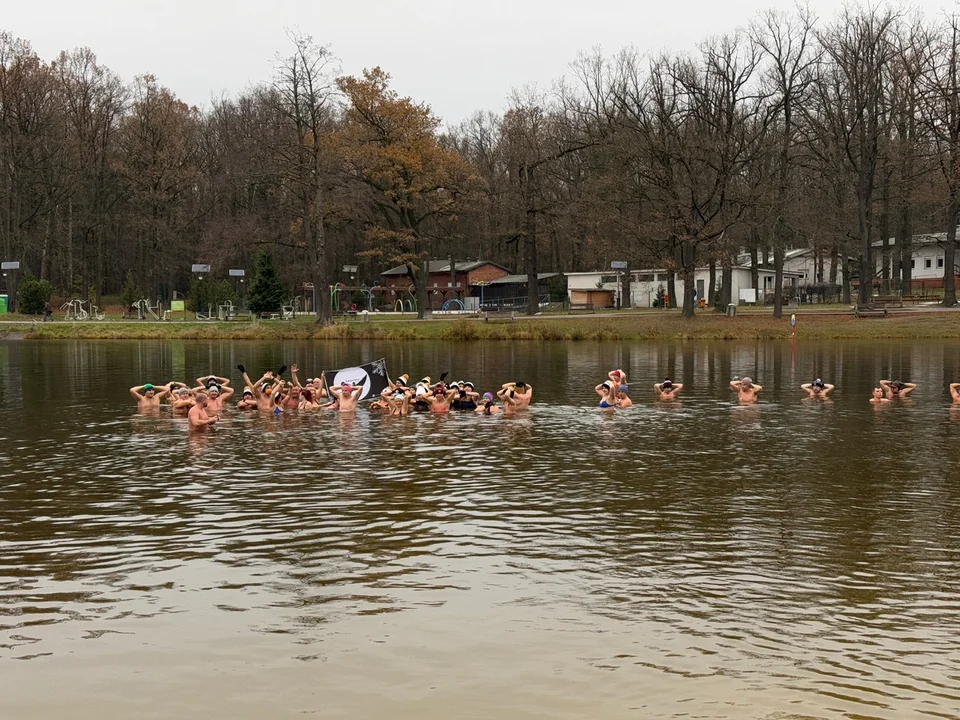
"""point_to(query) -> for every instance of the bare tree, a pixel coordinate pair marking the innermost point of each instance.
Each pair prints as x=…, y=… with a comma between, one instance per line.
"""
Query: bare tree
x=305, y=88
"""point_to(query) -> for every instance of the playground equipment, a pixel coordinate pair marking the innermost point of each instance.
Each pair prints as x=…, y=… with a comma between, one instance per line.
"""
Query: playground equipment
x=453, y=303
x=144, y=309
x=75, y=310
x=225, y=311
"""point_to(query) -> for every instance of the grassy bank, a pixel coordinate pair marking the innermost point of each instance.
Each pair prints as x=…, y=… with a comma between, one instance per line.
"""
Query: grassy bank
x=622, y=326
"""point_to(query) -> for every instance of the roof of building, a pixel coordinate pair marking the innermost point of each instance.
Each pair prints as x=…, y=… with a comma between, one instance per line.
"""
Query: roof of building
x=435, y=267
x=921, y=239
x=518, y=279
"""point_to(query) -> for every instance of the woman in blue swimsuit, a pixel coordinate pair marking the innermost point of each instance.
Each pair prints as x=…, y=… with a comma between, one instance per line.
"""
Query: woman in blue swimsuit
x=604, y=390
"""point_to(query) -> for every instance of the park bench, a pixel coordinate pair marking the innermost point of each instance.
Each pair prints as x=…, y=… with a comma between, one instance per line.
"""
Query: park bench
x=870, y=310
x=920, y=298
x=500, y=316
x=888, y=300
x=587, y=307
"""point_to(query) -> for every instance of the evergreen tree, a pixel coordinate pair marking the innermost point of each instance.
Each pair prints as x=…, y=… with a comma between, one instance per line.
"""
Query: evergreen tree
x=32, y=295
x=267, y=293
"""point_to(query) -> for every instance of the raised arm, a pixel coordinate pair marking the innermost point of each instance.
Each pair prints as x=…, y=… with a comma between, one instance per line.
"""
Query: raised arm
x=885, y=384
x=908, y=388
x=599, y=389
x=735, y=385
x=226, y=393
x=677, y=387
x=293, y=373
x=136, y=392
x=955, y=391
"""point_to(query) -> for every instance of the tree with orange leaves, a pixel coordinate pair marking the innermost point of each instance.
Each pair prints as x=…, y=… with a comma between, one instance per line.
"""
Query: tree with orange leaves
x=391, y=146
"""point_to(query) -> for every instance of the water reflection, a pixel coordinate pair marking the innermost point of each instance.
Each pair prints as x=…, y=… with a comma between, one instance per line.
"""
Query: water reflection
x=789, y=558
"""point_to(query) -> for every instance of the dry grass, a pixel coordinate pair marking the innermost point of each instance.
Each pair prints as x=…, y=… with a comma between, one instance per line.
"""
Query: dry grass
x=645, y=326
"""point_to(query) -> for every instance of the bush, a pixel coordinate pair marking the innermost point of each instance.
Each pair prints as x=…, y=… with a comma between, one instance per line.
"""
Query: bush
x=33, y=295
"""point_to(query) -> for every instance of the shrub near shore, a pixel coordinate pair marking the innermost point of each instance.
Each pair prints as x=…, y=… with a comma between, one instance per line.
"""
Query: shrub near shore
x=639, y=326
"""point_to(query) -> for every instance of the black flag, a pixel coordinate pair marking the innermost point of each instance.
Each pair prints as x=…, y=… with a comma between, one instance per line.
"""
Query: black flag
x=370, y=378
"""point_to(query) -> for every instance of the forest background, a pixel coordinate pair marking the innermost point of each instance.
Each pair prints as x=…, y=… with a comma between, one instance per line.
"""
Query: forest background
x=794, y=131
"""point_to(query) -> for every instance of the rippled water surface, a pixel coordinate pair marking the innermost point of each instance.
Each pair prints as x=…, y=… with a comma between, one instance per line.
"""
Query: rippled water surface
x=700, y=560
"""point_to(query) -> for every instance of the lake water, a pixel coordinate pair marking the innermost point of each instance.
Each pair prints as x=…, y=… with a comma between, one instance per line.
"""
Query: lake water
x=793, y=559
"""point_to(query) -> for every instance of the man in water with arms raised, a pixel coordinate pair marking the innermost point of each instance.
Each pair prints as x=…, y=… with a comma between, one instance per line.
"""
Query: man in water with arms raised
x=896, y=389
x=667, y=390
x=746, y=389
x=818, y=389
x=149, y=397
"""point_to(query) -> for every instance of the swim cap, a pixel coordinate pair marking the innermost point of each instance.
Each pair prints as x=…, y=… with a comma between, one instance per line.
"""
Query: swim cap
x=818, y=382
x=666, y=384
x=211, y=381
x=403, y=379
x=346, y=388
x=184, y=390
x=148, y=387
x=426, y=380
x=247, y=391
x=211, y=388
x=624, y=388
x=488, y=396
x=746, y=382
x=468, y=384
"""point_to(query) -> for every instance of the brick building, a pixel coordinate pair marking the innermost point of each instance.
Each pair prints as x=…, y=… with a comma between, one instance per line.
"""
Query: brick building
x=442, y=284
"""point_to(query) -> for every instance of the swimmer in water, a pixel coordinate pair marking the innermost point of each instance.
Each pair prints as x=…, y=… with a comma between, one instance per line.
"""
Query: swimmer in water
x=198, y=417
x=488, y=405
x=347, y=397
x=248, y=400
x=746, y=389
x=440, y=398
x=605, y=391
x=878, y=396
x=148, y=396
x=955, y=392
x=467, y=398
x=520, y=394
x=896, y=389
x=620, y=396
x=667, y=390
x=205, y=383
x=183, y=401
x=262, y=389
x=818, y=389
x=216, y=397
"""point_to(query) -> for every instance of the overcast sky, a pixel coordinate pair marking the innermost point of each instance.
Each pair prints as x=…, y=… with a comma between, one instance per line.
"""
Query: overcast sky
x=459, y=55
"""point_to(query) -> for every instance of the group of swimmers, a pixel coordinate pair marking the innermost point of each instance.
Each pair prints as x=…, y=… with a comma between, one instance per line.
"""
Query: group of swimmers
x=204, y=402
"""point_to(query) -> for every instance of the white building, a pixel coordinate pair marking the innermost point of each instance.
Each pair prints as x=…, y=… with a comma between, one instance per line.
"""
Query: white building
x=927, y=258
x=603, y=289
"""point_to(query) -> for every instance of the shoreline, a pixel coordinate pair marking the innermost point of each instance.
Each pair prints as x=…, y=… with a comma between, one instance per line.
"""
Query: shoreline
x=828, y=324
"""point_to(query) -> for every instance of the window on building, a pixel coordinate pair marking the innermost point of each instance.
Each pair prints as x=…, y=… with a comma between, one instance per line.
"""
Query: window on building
x=645, y=277
x=662, y=277
x=939, y=262
x=608, y=279
x=913, y=264
x=928, y=263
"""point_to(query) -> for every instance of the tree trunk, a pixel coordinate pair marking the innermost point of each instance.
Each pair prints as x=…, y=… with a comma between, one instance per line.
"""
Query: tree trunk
x=778, y=280
x=949, y=252
x=712, y=291
x=671, y=289
x=905, y=247
x=689, y=286
x=726, y=285
x=754, y=269
x=625, y=293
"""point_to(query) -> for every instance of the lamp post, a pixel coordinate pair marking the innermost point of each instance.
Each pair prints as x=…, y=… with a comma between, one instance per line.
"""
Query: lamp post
x=200, y=270
x=239, y=274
